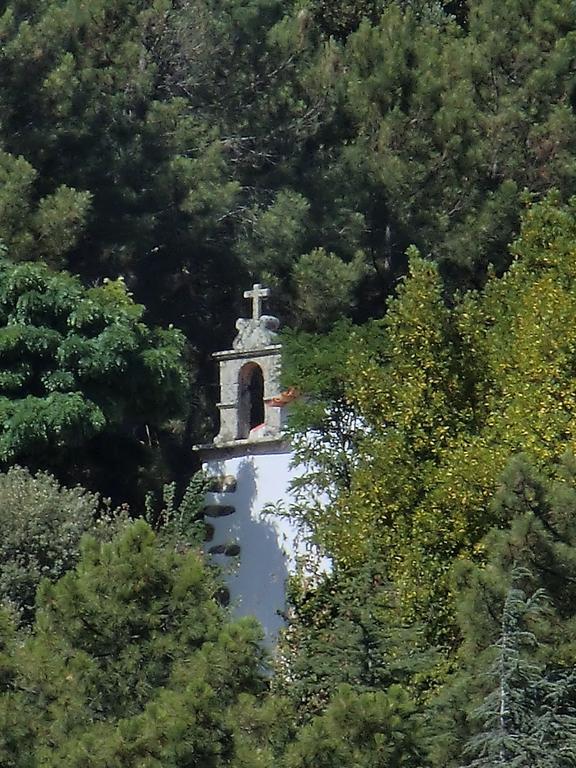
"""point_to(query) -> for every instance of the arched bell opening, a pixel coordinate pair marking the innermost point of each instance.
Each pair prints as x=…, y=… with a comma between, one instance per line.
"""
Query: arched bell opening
x=251, y=410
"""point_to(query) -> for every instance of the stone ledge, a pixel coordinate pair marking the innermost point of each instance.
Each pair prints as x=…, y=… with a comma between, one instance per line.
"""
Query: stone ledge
x=232, y=354
x=245, y=447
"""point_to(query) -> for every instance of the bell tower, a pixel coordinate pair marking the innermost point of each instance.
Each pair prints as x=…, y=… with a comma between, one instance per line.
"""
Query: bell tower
x=250, y=464
x=250, y=378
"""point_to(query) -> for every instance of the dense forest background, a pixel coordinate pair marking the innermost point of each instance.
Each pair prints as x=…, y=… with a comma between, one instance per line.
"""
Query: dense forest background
x=402, y=173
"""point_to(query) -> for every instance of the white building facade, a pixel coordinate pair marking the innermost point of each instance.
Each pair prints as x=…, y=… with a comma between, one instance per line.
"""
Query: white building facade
x=250, y=461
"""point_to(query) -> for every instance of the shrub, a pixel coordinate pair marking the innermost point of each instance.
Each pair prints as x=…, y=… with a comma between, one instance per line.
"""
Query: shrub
x=42, y=524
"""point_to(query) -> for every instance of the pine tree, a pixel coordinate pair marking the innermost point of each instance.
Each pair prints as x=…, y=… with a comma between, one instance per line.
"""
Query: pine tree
x=529, y=719
x=344, y=630
x=438, y=396
x=43, y=523
x=361, y=730
x=130, y=663
x=513, y=675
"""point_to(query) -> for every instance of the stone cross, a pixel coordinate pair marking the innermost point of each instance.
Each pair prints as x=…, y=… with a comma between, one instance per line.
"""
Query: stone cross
x=257, y=294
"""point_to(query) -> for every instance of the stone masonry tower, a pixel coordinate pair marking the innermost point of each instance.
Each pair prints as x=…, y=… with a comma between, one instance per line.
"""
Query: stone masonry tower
x=250, y=461
x=250, y=378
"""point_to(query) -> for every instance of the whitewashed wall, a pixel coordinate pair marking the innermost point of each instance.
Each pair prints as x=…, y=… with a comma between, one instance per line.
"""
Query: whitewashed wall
x=255, y=577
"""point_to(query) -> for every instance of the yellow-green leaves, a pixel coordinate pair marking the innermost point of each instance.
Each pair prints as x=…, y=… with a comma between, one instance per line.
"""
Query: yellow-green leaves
x=446, y=395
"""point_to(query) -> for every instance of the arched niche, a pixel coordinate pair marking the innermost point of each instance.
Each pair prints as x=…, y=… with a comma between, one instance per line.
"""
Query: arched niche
x=251, y=409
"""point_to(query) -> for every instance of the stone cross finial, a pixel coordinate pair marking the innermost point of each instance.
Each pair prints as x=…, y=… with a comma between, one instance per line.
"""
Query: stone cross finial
x=257, y=294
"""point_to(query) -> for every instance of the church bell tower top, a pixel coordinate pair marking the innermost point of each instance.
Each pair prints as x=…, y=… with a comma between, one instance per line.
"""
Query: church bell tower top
x=250, y=409
x=257, y=294
x=258, y=332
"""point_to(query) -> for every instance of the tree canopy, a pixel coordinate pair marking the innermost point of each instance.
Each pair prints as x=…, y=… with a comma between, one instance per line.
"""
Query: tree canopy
x=80, y=370
x=129, y=662
x=195, y=143
x=445, y=395
x=401, y=173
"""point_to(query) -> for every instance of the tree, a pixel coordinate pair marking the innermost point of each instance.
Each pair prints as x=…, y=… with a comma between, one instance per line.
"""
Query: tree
x=344, y=630
x=324, y=426
x=516, y=613
x=120, y=178
x=83, y=377
x=197, y=139
x=130, y=663
x=361, y=730
x=529, y=719
x=445, y=393
x=45, y=228
x=342, y=18
x=357, y=729
x=154, y=140
x=42, y=524
x=325, y=287
x=450, y=125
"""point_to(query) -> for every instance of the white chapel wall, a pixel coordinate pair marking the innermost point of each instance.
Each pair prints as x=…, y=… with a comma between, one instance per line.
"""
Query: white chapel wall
x=256, y=550
x=256, y=576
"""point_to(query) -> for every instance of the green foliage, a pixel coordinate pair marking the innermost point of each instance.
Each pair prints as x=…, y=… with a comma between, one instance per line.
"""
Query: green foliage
x=189, y=146
x=325, y=287
x=340, y=19
x=200, y=143
x=516, y=613
x=45, y=228
x=130, y=663
x=324, y=427
x=452, y=124
x=361, y=730
x=356, y=728
x=79, y=366
x=445, y=395
x=180, y=523
x=343, y=630
x=160, y=126
x=278, y=234
x=529, y=719
x=263, y=729
x=90, y=118
x=42, y=525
